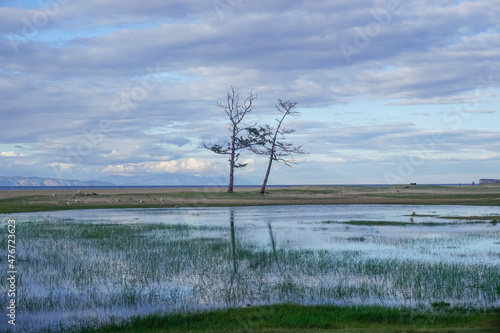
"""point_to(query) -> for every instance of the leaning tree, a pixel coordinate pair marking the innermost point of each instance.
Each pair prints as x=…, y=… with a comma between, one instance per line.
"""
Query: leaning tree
x=242, y=136
x=275, y=145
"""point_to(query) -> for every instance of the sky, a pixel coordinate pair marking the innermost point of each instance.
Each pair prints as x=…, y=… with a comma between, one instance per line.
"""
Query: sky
x=389, y=92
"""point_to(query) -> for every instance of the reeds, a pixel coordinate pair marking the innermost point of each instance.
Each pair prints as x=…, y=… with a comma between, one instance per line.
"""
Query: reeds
x=98, y=271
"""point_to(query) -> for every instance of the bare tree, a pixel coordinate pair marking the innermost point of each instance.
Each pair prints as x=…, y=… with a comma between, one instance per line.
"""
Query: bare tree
x=242, y=136
x=276, y=147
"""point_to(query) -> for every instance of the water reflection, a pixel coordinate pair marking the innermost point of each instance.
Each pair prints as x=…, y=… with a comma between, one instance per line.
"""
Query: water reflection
x=233, y=240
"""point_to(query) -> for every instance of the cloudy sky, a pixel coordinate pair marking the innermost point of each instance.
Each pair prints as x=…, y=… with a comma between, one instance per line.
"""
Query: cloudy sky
x=389, y=91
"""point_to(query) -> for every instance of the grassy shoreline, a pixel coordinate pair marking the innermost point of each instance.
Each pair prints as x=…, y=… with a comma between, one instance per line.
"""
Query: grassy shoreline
x=324, y=318
x=50, y=200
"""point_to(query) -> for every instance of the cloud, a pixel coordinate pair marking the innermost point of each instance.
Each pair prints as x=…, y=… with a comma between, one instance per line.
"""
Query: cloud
x=11, y=154
x=122, y=86
x=469, y=112
x=191, y=166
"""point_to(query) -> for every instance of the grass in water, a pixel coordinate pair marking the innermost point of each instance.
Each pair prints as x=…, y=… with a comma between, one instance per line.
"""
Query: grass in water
x=325, y=318
x=488, y=217
x=98, y=267
x=403, y=224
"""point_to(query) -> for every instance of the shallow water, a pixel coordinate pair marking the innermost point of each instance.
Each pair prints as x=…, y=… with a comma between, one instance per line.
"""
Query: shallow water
x=314, y=227
x=80, y=267
x=275, y=214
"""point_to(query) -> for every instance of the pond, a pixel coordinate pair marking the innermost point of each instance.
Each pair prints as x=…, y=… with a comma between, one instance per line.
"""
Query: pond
x=83, y=267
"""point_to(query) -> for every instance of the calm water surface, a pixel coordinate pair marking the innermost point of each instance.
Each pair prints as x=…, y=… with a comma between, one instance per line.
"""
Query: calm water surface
x=313, y=227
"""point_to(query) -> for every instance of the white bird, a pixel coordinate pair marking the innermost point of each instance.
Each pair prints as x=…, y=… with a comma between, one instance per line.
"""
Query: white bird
x=76, y=200
x=68, y=203
x=161, y=199
x=79, y=192
x=53, y=195
x=142, y=201
x=118, y=200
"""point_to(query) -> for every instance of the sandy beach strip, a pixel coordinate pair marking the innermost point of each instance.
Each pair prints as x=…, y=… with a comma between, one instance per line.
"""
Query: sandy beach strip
x=48, y=199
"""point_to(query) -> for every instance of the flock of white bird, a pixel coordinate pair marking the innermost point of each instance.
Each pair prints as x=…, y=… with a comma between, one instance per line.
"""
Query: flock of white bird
x=118, y=200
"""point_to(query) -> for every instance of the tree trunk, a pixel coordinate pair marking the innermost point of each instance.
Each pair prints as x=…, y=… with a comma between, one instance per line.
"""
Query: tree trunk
x=271, y=158
x=264, y=183
x=232, y=162
x=231, y=179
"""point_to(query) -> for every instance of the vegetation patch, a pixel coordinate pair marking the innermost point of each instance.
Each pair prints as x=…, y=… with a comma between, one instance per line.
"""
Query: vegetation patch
x=404, y=224
x=356, y=239
x=327, y=318
x=488, y=217
x=421, y=215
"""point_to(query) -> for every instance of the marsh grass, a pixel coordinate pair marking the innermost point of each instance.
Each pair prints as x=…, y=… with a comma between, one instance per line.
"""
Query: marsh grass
x=98, y=271
x=403, y=224
x=487, y=217
x=369, y=223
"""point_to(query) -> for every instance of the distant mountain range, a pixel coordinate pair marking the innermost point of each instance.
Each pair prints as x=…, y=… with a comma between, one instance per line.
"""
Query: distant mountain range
x=148, y=180
x=37, y=181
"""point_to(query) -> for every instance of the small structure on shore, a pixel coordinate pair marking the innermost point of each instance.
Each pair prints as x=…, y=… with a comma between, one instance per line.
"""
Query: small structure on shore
x=489, y=181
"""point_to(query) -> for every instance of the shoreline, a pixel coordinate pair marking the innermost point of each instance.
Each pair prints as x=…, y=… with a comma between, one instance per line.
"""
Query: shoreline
x=15, y=201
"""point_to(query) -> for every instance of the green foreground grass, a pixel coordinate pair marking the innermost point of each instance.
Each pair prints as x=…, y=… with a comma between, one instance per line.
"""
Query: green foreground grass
x=296, y=318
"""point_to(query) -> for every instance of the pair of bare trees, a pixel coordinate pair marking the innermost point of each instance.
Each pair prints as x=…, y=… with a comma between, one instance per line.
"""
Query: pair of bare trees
x=264, y=140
